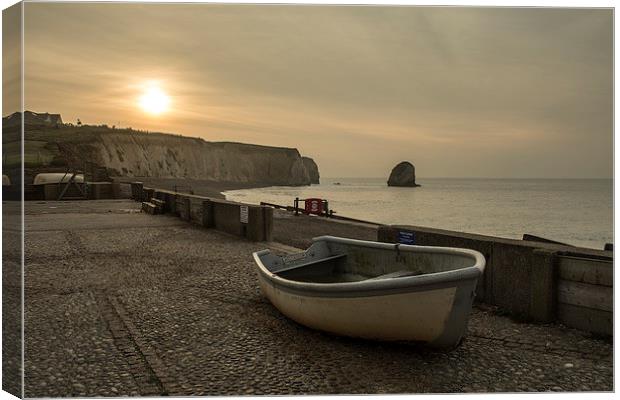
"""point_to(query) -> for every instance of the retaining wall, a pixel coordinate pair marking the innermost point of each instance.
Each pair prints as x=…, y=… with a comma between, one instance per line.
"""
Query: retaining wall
x=541, y=282
x=245, y=220
x=95, y=191
x=585, y=293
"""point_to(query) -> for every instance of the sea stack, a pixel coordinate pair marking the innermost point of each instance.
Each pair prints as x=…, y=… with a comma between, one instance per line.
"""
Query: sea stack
x=403, y=175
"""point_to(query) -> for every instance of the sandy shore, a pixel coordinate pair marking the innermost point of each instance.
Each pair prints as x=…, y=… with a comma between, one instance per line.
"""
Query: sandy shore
x=197, y=186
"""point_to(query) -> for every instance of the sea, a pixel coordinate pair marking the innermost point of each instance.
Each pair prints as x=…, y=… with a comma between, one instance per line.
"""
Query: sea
x=573, y=211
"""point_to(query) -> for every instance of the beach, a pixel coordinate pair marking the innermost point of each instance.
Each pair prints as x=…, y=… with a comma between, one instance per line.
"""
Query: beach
x=200, y=187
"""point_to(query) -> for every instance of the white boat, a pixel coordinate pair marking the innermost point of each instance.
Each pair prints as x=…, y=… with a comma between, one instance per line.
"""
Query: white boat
x=375, y=290
x=56, y=177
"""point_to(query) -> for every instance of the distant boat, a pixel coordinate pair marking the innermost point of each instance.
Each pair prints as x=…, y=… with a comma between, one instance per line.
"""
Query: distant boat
x=336, y=183
x=375, y=290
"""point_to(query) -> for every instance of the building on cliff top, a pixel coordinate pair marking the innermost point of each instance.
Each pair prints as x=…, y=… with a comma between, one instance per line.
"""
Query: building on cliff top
x=32, y=118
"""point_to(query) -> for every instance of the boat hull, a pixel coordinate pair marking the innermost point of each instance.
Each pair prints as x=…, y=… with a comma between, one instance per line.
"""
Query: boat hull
x=422, y=310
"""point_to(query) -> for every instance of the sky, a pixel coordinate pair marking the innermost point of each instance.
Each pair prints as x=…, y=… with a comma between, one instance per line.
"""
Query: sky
x=459, y=92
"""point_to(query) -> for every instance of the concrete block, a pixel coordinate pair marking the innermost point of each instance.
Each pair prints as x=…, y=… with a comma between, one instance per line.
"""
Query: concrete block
x=587, y=270
x=226, y=217
x=267, y=223
x=116, y=191
x=147, y=193
x=187, y=209
x=543, y=279
x=255, y=228
x=207, y=214
x=50, y=191
x=183, y=207
x=159, y=194
x=169, y=199
x=587, y=319
x=510, y=279
x=195, y=209
x=136, y=191
x=100, y=190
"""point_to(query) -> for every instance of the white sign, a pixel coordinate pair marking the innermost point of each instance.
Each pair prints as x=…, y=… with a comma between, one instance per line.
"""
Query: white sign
x=243, y=217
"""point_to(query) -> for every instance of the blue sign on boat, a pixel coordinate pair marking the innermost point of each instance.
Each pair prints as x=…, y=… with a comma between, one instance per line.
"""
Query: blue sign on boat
x=406, y=237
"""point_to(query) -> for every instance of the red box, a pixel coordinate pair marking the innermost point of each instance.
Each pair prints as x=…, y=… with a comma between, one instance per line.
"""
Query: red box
x=314, y=206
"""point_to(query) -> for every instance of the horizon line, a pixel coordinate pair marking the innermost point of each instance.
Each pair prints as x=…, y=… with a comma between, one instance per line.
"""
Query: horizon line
x=467, y=177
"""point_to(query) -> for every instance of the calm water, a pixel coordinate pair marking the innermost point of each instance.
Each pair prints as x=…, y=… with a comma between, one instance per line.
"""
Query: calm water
x=578, y=212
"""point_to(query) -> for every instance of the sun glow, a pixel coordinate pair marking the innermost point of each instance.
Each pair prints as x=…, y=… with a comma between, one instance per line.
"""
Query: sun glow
x=154, y=101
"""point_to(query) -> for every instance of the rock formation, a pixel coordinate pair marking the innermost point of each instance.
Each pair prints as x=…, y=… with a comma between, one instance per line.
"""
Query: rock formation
x=167, y=156
x=130, y=153
x=403, y=174
x=312, y=168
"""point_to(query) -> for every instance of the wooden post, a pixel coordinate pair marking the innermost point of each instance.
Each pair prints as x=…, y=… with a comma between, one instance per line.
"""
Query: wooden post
x=296, y=206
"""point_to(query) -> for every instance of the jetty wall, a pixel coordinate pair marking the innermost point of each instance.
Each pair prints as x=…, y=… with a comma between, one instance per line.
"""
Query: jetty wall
x=536, y=281
x=250, y=221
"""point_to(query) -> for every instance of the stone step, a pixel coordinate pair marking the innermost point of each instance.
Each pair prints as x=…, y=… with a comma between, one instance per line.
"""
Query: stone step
x=159, y=204
x=149, y=208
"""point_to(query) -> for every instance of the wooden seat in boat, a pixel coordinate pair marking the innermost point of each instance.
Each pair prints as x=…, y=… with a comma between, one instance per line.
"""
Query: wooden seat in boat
x=286, y=268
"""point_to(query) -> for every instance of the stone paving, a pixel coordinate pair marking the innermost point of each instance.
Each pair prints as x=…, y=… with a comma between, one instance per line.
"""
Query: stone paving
x=11, y=299
x=123, y=303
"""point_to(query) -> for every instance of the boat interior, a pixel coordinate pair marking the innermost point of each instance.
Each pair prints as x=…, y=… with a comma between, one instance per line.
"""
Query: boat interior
x=326, y=262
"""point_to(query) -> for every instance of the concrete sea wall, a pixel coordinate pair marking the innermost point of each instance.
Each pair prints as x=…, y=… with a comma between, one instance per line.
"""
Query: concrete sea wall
x=93, y=190
x=534, y=281
x=541, y=282
x=252, y=222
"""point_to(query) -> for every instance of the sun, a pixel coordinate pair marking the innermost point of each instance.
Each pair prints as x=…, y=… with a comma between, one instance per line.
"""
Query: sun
x=154, y=101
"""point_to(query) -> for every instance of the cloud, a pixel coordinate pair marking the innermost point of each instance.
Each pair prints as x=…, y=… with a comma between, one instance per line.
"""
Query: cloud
x=501, y=82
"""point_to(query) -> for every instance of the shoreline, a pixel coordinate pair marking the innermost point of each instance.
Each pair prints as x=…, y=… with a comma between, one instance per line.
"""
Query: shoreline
x=216, y=189
x=199, y=187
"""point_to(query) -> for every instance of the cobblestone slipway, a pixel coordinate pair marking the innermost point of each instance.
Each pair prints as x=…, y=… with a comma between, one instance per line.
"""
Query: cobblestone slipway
x=122, y=303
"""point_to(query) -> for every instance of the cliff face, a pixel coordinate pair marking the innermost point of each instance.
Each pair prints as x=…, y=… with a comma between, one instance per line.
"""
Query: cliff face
x=168, y=156
x=312, y=168
x=129, y=153
x=125, y=152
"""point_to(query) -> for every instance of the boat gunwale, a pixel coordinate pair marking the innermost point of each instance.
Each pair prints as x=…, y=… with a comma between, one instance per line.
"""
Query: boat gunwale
x=378, y=287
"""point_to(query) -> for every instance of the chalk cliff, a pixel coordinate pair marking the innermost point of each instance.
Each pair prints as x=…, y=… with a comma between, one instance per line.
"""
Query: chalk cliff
x=312, y=168
x=168, y=156
x=130, y=153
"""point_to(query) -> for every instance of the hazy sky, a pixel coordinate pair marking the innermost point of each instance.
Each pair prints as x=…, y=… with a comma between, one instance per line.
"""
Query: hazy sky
x=460, y=92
